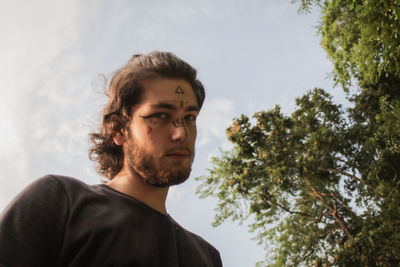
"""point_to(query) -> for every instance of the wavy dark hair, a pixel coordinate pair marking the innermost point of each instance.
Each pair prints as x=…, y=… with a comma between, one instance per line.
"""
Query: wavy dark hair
x=124, y=90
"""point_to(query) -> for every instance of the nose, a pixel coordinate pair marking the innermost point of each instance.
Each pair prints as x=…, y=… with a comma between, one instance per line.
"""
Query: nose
x=179, y=131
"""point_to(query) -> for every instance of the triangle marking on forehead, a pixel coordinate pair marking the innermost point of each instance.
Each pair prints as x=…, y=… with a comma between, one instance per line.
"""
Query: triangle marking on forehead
x=179, y=90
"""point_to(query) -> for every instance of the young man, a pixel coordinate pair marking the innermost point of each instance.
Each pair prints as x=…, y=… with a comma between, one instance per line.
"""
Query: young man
x=145, y=144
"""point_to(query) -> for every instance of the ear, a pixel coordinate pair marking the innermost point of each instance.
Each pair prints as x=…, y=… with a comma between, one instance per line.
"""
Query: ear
x=119, y=138
x=118, y=133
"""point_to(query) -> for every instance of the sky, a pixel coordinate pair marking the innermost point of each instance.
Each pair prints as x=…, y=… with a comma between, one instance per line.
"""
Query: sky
x=250, y=55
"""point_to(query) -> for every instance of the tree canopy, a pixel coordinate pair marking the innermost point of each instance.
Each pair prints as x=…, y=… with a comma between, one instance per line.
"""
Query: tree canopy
x=361, y=37
x=322, y=185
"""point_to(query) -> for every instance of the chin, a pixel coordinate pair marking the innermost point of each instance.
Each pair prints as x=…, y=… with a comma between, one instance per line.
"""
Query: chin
x=166, y=177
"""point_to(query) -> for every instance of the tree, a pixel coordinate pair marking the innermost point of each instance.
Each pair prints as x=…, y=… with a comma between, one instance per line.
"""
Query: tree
x=323, y=184
x=362, y=38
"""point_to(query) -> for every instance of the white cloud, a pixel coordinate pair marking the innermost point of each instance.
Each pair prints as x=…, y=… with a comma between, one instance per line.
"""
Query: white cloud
x=35, y=54
x=275, y=10
x=51, y=49
x=215, y=116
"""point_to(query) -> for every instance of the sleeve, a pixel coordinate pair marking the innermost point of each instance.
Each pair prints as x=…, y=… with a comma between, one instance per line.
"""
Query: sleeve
x=32, y=226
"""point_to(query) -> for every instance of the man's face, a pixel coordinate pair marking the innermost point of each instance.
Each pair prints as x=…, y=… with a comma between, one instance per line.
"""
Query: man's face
x=162, y=133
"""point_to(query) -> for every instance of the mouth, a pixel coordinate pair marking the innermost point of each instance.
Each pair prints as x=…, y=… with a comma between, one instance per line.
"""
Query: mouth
x=179, y=154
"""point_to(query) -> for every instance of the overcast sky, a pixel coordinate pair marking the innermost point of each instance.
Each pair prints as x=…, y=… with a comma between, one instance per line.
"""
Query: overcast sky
x=250, y=55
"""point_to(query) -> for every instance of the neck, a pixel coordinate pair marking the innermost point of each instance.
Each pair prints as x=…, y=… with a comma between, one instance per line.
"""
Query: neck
x=133, y=185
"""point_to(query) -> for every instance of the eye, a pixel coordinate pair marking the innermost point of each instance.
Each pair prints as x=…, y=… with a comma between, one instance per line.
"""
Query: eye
x=190, y=117
x=160, y=115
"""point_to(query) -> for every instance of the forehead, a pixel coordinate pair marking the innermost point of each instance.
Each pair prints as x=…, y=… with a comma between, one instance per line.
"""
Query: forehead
x=167, y=90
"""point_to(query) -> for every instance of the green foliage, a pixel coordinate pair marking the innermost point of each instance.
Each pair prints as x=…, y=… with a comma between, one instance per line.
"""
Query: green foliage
x=361, y=37
x=297, y=177
x=306, y=5
x=389, y=124
x=286, y=171
x=322, y=186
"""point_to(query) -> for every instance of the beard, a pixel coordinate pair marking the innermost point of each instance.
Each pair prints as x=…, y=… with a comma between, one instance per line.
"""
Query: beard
x=150, y=172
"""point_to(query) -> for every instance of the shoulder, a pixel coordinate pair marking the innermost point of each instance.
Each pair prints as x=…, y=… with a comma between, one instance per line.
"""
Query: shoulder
x=32, y=225
x=58, y=182
x=48, y=191
x=203, y=244
x=45, y=186
x=200, y=240
x=53, y=181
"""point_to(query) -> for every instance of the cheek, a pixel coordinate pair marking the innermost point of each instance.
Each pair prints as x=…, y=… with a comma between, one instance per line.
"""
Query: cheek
x=192, y=131
x=152, y=135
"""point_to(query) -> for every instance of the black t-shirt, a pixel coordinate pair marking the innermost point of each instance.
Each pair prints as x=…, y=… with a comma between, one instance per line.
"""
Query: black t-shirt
x=60, y=221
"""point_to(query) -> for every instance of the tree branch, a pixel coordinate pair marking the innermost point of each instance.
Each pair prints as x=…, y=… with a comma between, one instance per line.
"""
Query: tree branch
x=333, y=210
x=266, y=197
x=353, y=177
x=342, y=172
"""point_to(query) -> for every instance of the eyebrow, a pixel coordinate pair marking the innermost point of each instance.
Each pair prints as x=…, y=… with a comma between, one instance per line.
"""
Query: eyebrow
x=173, y=107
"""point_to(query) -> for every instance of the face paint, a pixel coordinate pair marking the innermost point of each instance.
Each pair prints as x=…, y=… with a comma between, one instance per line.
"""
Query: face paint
x=179, y=91
x=148, y=155
x=178, y=123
